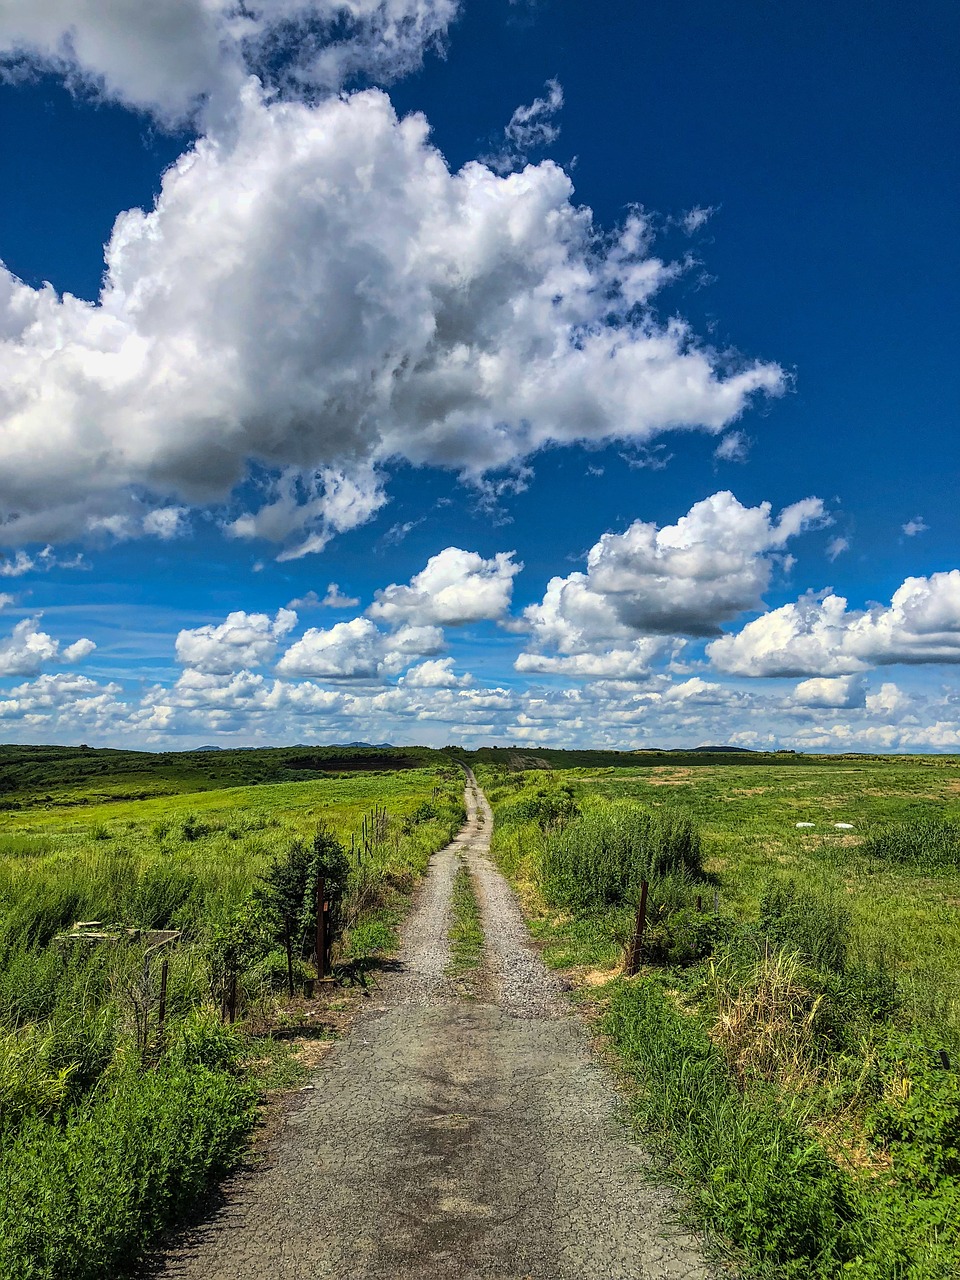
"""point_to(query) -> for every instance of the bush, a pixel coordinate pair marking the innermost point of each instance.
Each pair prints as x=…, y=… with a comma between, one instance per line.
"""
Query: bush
x=84, y=1197
x=917, y=1114
x=288, y=887
x=549, y=807
x=929, y=843
x=599, y=859
x=814, y=924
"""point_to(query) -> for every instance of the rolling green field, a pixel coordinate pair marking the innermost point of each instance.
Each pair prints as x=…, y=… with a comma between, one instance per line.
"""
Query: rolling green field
x=793, y=1050
x=111, y=1124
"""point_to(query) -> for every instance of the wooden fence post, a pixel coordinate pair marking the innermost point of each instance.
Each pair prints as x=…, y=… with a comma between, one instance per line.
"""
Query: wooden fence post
x=321, y=929
x=633, y=955
x=162, y=1011
x=287, y=940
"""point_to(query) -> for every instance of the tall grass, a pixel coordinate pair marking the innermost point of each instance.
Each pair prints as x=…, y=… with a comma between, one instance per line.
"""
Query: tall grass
x=598, y=860
x=108, y=1128
x=929, y=844
x=803, y=1088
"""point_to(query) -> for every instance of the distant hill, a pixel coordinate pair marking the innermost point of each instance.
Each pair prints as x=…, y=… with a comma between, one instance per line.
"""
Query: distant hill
x=378, y=746
x=727, y=750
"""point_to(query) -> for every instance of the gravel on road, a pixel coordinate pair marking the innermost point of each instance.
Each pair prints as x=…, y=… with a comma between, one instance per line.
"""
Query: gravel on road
x=450, y=1138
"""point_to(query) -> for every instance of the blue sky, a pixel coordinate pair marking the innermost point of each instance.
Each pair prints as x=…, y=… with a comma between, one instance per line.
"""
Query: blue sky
x=660, y=306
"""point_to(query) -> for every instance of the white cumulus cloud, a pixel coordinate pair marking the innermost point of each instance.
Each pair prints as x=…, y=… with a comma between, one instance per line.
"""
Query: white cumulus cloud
x=169, y=57
x=316, y=294
x=27, y=649
x=358, y=650
x=679, y=580
x=819, y=635
x=454, y=588
x=242, y=640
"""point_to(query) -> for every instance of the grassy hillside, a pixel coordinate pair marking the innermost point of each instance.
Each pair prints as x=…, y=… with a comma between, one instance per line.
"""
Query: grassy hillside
x=31, y=776
x=793, y=1032
x=111, y=1124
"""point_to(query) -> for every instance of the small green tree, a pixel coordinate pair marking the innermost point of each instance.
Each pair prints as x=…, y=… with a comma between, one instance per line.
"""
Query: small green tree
x=288, y=887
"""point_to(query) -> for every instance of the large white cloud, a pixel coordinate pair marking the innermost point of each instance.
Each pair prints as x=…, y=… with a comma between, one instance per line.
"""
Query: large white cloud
x=819, y=635
x=168, y=56
x=679, y=580
x=27, y=649
x=317, y=294
x=454, y=588
x=358, y=650
x=242, y=640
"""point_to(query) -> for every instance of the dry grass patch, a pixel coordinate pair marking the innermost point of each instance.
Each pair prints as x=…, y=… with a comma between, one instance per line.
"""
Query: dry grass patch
x=765, y=1026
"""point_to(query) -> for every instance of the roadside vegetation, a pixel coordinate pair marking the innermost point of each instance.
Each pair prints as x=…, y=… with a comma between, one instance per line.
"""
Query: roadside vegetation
x=466, y=930
x=111, y=1122
x=792, y=1038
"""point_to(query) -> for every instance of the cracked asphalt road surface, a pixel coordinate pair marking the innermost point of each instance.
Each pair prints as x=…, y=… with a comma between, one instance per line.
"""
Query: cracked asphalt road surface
x=449, y=1138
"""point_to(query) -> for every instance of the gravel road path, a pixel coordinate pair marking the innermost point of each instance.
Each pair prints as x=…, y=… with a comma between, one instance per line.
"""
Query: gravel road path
x=448, y=1138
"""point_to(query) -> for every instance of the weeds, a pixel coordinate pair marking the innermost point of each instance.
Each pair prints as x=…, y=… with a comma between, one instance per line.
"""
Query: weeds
x=466, y=930
x=108, y=1126
x=797, y=1077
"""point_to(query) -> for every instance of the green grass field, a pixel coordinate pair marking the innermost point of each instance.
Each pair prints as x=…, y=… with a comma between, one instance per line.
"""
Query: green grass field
x=111, y=1125
x=794, y=1053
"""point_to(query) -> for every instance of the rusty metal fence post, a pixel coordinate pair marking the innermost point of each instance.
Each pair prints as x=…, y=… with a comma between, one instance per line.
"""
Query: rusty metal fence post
x=633, y=954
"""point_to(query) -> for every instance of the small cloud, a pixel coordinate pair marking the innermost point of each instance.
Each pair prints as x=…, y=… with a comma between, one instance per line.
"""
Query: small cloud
x=15, y=568
x=531, y=128
x=5, y=599
x=594, y=471
x=397, y=532
x=650, y=457
x=80, y=649
x=42, y=562
x=697, y=217
x=836, y=547
x=167, y=523
x=915, y=526
x=734, y=447
x=332, y=600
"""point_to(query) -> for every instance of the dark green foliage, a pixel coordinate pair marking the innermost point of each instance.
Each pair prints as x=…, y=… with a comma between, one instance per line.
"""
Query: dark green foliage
x=682, y=937
x=550, y=808
x=754, y=1174
x=83, y=1198
x=425, y=812
x=289, y=885
x=598, y=860
x=814, y=924
x=928, y=843
x=917, y=1115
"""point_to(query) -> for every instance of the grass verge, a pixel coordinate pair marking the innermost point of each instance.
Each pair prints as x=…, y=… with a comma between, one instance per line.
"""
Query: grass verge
x=780, y=1064
x=466, y=930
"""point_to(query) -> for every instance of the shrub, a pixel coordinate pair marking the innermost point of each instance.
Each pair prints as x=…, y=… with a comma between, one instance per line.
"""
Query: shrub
x=288, y=887
x=598, y=860
x=813, y=923
x=917, y=1115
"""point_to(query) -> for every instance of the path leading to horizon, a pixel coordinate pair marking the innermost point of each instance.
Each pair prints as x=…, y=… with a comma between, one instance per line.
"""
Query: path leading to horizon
x=450, y=1137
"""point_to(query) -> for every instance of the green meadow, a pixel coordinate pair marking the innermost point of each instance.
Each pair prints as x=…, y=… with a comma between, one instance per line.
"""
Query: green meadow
x=791, y=1040
x=111, y=1123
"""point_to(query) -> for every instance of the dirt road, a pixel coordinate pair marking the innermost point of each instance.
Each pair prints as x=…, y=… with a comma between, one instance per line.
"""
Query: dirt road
x=449, y=1138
